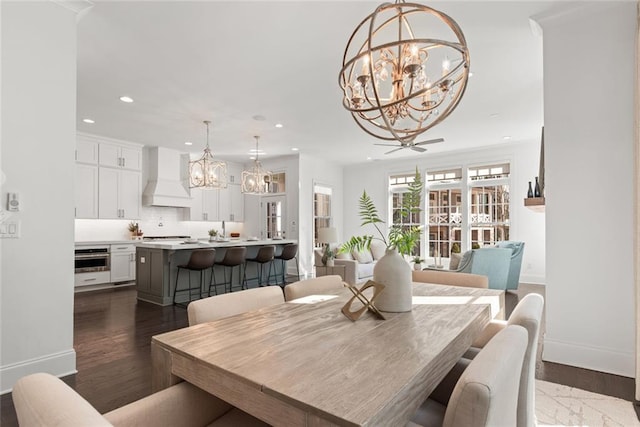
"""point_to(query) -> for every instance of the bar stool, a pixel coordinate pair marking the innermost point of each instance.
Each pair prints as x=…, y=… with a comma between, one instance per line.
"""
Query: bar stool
x=200, y=260
x=233, y=257
x=289, y=252
x=265, y=255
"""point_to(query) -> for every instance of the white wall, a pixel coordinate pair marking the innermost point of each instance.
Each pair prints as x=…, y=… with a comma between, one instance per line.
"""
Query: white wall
x=526, y=225
x=38, y=142
x=317, y=171
x=589, y=59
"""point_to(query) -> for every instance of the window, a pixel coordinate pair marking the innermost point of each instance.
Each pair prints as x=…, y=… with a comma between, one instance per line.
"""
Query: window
x=277, y=184
x=489, y=202
x=445, y=212
x=399, y=187
x=467, y=214
x=321, y=210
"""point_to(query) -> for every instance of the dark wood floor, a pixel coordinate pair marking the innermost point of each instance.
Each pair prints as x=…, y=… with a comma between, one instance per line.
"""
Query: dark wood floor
x=112, y=336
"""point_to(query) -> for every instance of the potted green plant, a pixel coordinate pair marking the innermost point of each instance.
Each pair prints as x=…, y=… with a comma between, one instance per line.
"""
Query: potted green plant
x=133, y=229
x=391, y=270
x=417, y=262
x=328, y=256
x=213, y=233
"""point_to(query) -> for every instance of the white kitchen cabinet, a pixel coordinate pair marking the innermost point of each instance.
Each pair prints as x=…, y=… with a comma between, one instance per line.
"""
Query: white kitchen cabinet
x=86, y=191
x=234, y=174
x=91, y=278
x=86, y=152
x=123, y=263
x=204, y=205
x=119, y=194
x=231, y=204
x=120, y=156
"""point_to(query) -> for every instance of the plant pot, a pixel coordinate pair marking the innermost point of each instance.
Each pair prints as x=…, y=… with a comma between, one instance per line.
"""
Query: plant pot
x=330, y=262
x=395, y=274
x=417, y=266
x=212, y=238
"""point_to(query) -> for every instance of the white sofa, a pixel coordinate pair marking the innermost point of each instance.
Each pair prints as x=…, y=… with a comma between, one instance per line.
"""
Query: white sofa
x=358, y=265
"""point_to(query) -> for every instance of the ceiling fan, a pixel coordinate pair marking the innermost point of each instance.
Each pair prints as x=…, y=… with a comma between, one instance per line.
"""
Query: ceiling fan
x=415, y=146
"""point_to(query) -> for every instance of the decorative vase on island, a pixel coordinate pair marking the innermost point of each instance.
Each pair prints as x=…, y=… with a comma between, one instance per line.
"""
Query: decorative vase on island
x=330, y=262
x=395, y=274
x=537, y=192
x=530, y=192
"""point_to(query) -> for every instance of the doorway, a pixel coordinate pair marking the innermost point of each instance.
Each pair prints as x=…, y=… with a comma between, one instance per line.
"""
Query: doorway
x=273, y=217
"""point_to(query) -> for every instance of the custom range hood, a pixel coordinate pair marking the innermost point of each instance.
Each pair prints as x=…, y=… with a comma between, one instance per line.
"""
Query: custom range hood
x=165, y=186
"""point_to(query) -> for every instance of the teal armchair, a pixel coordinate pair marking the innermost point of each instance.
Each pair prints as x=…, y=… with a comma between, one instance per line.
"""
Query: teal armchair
x=501, y=264
x=517, y=249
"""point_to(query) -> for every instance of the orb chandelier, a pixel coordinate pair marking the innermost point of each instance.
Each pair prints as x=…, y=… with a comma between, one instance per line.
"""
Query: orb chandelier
x=398, y=81
x=256, y=180
x=206, y=172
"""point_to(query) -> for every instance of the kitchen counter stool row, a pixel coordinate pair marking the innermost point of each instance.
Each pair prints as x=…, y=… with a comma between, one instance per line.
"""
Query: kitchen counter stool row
x=203, y=260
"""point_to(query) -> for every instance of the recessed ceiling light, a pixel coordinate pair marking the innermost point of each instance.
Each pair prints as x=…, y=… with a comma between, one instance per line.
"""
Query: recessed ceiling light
x=188, y=143
x=295, y=149
x=470, y=74
x=252, y=158
x=88, y=121
x=278, y=125
x=368, y=158
x=126, y=99
x=506, y=137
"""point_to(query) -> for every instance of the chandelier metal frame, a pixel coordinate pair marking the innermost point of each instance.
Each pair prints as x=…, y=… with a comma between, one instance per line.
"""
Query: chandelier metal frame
x=415, y=101
x=206, y=172
x=256, y=180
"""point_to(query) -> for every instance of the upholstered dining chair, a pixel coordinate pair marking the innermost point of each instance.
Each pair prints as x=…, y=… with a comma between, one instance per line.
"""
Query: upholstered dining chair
x=45, y=400
x=225, y=305
x=451, y=278
x=486, y=395
x=313, y=286
x=528, y=314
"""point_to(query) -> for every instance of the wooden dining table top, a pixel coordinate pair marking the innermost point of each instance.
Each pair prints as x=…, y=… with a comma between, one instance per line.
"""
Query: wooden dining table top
x=303, y=363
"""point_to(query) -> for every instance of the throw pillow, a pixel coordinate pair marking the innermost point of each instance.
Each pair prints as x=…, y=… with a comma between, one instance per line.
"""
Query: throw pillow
x=454, y=261
x=363, y=257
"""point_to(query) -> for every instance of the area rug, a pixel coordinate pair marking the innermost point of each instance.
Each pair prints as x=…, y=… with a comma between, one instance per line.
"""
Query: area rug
x=559, y=405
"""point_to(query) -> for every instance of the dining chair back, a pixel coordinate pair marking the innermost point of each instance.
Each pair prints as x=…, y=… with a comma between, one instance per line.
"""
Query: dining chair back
x=528, y=314
x=452, y=278
x=487, y=392
x=45, y=400
x=318, y=285
x=225, y=305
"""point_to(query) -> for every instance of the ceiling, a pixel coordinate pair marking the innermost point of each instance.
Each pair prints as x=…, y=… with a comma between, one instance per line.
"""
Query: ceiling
x=228, y=62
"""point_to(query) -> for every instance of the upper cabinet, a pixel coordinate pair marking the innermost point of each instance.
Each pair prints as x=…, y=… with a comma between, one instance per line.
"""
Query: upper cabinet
x=86, y=152
x=119, y=156
x=108, y=178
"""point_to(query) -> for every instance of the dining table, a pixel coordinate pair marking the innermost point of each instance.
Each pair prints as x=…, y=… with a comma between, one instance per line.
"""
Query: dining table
x=304, y=363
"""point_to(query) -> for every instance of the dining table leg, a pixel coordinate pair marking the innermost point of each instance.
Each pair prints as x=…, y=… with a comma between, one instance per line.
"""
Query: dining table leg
x=161, y=376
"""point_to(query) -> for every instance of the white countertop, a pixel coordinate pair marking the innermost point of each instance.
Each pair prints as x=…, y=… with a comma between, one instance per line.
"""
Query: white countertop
x=106, y=242
x=180, y=244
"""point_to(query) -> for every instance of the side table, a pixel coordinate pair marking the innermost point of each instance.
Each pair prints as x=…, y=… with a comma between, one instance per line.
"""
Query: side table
x=325, y=270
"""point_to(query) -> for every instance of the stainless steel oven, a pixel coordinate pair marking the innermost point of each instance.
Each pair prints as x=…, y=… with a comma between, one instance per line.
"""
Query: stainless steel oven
x=92, y=258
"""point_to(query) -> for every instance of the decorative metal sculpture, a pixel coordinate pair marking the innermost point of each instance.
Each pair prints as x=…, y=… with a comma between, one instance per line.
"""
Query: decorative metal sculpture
x=367, y=303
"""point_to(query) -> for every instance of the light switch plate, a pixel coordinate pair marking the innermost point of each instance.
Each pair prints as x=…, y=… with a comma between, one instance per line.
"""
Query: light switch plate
x=10, y=230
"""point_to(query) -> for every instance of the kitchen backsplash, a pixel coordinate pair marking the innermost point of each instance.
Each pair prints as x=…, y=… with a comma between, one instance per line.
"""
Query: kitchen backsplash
x=154, y=221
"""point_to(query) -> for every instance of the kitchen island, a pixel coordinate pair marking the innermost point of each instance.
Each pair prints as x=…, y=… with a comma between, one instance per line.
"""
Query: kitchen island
x=157, y=261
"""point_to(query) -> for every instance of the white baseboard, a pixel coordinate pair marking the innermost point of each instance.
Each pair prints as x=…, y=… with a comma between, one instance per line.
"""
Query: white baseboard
x=594, y=358
x=58, y=364
x=533, y=279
